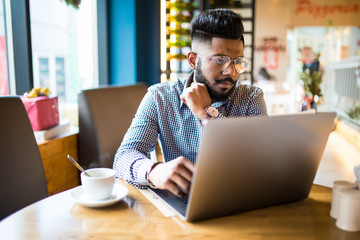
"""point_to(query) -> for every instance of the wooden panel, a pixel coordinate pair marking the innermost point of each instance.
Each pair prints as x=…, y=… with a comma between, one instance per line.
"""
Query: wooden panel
x=60, y=173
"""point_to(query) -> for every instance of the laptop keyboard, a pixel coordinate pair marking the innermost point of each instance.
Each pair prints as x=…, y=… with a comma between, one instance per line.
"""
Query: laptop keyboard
x=179, y=204
x=184, y=199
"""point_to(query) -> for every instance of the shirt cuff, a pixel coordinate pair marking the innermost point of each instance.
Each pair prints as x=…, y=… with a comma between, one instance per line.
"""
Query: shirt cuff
x=144, y=169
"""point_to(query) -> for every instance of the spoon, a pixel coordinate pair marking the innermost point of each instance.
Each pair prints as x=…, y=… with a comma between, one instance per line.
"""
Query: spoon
x=77, y=165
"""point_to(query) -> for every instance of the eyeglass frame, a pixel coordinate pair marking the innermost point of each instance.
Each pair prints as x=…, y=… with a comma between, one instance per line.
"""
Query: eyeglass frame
x=232, y=60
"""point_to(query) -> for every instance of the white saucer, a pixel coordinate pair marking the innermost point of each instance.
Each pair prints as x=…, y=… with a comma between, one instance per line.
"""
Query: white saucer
x=79, y=196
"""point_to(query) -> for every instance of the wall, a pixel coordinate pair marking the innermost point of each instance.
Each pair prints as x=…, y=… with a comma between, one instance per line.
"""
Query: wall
x=122, y=42
x=274, y=17
x=134, y=41
x=148, y=41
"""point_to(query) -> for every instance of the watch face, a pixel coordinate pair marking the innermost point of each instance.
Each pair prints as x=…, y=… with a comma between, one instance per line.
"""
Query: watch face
x=213, y=112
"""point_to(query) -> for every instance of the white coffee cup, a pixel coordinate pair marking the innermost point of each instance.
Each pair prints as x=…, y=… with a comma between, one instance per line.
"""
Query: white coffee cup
x=335, y=202
x=100, y=184
x=349, y=210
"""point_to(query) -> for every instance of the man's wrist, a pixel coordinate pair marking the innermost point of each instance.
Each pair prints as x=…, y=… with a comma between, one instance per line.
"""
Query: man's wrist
x=204, y=119
x=148, y=173
x=143, y=167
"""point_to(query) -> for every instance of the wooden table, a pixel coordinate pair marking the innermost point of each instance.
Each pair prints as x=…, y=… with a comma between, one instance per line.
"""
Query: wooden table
x=60, y=217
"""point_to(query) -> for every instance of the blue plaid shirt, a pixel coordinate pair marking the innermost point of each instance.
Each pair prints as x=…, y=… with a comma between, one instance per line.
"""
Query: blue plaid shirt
x=163, y=115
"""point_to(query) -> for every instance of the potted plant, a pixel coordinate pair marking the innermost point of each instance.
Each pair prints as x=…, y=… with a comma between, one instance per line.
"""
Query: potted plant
x=311, y=77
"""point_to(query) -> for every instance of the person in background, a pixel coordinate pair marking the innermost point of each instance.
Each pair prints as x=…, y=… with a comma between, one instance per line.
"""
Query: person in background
x=265, y=82
x=264, y=75
x=176, y=111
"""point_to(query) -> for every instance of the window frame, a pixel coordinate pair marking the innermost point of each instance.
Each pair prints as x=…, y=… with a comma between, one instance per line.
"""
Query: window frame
x=18, y=46
x=19, y=51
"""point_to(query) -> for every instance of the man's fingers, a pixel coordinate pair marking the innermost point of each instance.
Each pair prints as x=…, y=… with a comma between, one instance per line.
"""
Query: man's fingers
x=185, y=168
x=182, y=97
x=174, y=176
x=183, y=183
x=190, y=166
x=172, y=187
x=184, y=172
x=197, y=84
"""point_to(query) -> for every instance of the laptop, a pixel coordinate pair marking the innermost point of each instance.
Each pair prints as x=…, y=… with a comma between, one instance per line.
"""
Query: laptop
x=249, y=163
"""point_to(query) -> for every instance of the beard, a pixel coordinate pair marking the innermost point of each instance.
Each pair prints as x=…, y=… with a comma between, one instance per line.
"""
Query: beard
x=214, y=94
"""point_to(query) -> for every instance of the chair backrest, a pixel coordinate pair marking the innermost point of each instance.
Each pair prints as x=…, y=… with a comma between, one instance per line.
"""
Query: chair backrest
x=105, y=114
x=22, y=176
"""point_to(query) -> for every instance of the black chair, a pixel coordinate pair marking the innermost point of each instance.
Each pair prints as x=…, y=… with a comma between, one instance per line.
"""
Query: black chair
x=105, y=114
x=22, y=176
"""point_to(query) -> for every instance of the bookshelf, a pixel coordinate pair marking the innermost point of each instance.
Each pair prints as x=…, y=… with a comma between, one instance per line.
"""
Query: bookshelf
x=176, y=37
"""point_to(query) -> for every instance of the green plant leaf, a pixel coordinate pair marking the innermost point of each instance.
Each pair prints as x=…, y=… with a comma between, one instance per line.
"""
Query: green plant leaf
x=74, y=3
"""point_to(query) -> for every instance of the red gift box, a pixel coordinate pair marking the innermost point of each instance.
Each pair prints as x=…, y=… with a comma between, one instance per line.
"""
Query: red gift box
x=43, y=111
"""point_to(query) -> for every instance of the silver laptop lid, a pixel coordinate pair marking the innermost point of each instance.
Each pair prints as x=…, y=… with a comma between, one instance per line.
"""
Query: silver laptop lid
x=250, y=163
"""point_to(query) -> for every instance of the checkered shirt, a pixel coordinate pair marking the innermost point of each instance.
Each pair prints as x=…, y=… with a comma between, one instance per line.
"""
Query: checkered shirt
x=163, y=115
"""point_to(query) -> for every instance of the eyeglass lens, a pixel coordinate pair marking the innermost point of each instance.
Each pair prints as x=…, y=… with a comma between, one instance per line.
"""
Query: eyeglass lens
x=220, y=63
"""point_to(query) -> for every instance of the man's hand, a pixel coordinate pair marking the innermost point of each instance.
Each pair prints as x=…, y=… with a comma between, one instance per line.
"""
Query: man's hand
x=197, y=98
x=172, y=174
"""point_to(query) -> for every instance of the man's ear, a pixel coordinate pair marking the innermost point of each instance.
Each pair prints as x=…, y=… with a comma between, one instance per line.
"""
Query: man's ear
x=191, y=56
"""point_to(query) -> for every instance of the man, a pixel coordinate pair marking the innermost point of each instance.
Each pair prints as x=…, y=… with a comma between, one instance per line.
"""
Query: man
x=175, y=111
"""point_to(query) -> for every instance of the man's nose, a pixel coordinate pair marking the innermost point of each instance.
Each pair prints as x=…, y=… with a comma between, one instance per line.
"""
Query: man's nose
x=231, y=71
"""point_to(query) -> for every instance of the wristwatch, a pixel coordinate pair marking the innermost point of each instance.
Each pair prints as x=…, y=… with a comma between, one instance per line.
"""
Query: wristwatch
x=212, y=112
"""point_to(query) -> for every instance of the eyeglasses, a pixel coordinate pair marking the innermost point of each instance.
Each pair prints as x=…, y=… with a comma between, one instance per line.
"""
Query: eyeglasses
x=220, y=63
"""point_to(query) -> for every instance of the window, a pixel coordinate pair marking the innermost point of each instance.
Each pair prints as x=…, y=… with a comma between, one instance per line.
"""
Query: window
x=63, y=51
x=44, y=78
x=54, y=79
x=60, y=77
x=50, y=43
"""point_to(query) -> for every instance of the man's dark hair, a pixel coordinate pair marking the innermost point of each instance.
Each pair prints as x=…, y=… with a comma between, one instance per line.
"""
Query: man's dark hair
x=221, y=23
